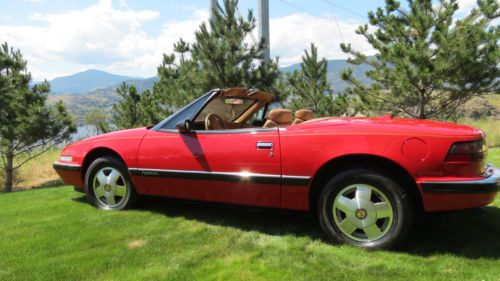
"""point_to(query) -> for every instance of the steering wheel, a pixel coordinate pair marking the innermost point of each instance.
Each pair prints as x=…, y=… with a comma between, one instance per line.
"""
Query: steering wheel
x=214, y=122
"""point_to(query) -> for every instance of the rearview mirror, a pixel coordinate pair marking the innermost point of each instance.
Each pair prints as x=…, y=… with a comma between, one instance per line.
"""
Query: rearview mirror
x=233, y=101
x=184, y=126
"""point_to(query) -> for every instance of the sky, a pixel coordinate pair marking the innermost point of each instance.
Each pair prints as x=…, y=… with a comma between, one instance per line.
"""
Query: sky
x=128, y=37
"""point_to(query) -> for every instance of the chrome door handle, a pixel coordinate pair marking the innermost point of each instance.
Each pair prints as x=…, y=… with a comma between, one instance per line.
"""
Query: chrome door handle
x=264, y=145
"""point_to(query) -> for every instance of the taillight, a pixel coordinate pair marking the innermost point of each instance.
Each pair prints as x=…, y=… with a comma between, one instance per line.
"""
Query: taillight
x=467, y=151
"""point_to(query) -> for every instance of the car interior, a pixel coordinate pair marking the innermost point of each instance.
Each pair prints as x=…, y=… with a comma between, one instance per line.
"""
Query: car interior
x=238, y=108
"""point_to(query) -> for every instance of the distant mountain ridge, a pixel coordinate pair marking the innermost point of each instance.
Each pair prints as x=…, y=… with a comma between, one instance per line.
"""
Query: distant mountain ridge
x=92, y=79
x=85, y=81
x=95, y=89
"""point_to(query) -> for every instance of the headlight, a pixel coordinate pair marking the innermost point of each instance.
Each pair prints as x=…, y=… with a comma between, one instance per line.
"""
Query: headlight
x=66, y=158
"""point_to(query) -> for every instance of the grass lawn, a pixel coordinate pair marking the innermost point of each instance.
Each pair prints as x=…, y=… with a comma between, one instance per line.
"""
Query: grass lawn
x=52, y=233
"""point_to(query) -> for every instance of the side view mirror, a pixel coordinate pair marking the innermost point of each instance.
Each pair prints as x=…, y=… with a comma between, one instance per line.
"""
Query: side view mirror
x=184, y=126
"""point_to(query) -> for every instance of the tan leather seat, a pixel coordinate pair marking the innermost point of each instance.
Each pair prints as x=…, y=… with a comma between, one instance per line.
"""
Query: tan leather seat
x=302, y=115
x=278, y=118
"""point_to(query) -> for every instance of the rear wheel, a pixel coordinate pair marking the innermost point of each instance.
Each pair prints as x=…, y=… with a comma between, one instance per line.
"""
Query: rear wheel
x=365, y=208
x=108, y=185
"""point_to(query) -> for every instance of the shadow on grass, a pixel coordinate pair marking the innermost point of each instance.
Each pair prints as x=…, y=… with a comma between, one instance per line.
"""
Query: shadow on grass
x=470, y=233
x=46, y=184
x=51, y=183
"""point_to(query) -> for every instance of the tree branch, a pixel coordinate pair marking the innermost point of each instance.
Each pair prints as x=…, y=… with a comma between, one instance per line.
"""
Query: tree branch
x=33, y=156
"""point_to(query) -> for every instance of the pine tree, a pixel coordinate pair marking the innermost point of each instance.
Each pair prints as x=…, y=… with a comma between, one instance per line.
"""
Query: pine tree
x=149, y=108
x=309, y=87
x=226, y=59
x=127, y=113
x=427, y=62
x=219, y=58
x=179, y=84
x=28, y=126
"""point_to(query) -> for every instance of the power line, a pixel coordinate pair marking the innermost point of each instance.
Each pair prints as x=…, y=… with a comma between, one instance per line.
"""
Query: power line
x=338, y=26
x=343, y=8
x=300, y=8
x=314, y=14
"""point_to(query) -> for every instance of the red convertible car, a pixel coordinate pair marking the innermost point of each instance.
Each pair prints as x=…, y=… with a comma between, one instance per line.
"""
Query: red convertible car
x=365, y=178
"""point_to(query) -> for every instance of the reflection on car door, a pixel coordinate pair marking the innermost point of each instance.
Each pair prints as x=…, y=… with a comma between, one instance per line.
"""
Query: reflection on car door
x=239, y=166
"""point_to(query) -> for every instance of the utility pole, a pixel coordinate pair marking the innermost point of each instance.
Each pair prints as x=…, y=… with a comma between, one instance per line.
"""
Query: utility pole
x=213, y=5
x=264, y=26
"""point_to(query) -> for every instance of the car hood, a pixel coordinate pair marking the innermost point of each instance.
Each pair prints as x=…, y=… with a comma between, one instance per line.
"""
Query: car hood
x=392, y=125
x=129, y=133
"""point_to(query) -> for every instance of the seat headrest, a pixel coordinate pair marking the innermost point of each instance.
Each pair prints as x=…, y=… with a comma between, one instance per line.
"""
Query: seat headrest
x=280, y=116
x=304, y=114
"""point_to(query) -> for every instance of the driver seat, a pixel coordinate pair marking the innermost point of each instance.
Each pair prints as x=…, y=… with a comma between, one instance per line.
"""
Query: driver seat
x=278, y=118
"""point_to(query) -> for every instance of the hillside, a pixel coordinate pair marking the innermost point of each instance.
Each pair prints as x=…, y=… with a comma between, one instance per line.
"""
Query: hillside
x=103, y=98
x=85, y=81
x=94, y=89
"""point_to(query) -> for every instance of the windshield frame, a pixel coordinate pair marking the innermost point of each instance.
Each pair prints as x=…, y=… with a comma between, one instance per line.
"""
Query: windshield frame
x=210, y=94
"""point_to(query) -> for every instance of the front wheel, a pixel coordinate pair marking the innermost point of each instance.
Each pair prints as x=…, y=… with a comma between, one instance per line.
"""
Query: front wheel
x=365, y=208
x=108, y=185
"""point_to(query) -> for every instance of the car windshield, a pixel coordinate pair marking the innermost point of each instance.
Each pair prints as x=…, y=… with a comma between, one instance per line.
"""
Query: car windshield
x=185, y=113
x=229, y=109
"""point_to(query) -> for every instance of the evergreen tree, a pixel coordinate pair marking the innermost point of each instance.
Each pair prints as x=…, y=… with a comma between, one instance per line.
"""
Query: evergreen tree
x=309, y=87
x=29, y=127
x=149, y=109
x=127, y=113
x=427, y=62
x=179, y=84
x=219, y=58
x=226, y=59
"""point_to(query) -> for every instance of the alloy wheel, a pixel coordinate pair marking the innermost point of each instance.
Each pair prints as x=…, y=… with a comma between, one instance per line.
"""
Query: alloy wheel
x=362, y=212
x=110, y=188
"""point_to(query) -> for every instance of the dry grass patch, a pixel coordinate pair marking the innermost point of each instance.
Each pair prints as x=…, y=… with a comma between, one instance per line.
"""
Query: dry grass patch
x=137, y=243
x=490, y=126
x=36, y=173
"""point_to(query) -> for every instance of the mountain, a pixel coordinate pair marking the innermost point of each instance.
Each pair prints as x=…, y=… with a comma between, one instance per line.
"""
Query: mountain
x=80, y=104
x=91, y=80
x=93, y=89
x=85, y=81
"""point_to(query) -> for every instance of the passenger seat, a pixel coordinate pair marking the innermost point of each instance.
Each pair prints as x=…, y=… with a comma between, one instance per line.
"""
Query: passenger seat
x=278, y=118
x=302, y=115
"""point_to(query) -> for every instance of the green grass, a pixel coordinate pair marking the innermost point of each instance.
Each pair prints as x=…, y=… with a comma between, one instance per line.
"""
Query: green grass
x=54, y=234
x=491, y=127
x=494, y=156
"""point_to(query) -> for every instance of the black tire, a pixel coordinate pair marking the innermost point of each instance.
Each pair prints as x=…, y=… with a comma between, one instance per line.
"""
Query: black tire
x=106, y=164
x=401, y=220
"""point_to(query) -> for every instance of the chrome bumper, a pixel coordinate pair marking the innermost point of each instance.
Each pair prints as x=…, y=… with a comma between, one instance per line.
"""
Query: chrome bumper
x=489, y=184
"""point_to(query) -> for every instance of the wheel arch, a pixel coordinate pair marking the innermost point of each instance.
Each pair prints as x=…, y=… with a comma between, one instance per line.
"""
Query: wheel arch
x=367, y=161
x=95, y=153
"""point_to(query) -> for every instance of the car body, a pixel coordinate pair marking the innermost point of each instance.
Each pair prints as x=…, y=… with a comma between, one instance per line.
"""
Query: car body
x=287, y=166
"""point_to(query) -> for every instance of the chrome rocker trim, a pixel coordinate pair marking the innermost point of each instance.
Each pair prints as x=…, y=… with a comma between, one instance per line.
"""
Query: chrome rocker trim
x=222, y=176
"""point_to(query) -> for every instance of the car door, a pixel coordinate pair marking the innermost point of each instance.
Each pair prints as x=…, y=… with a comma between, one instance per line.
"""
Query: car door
x=241, y=166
